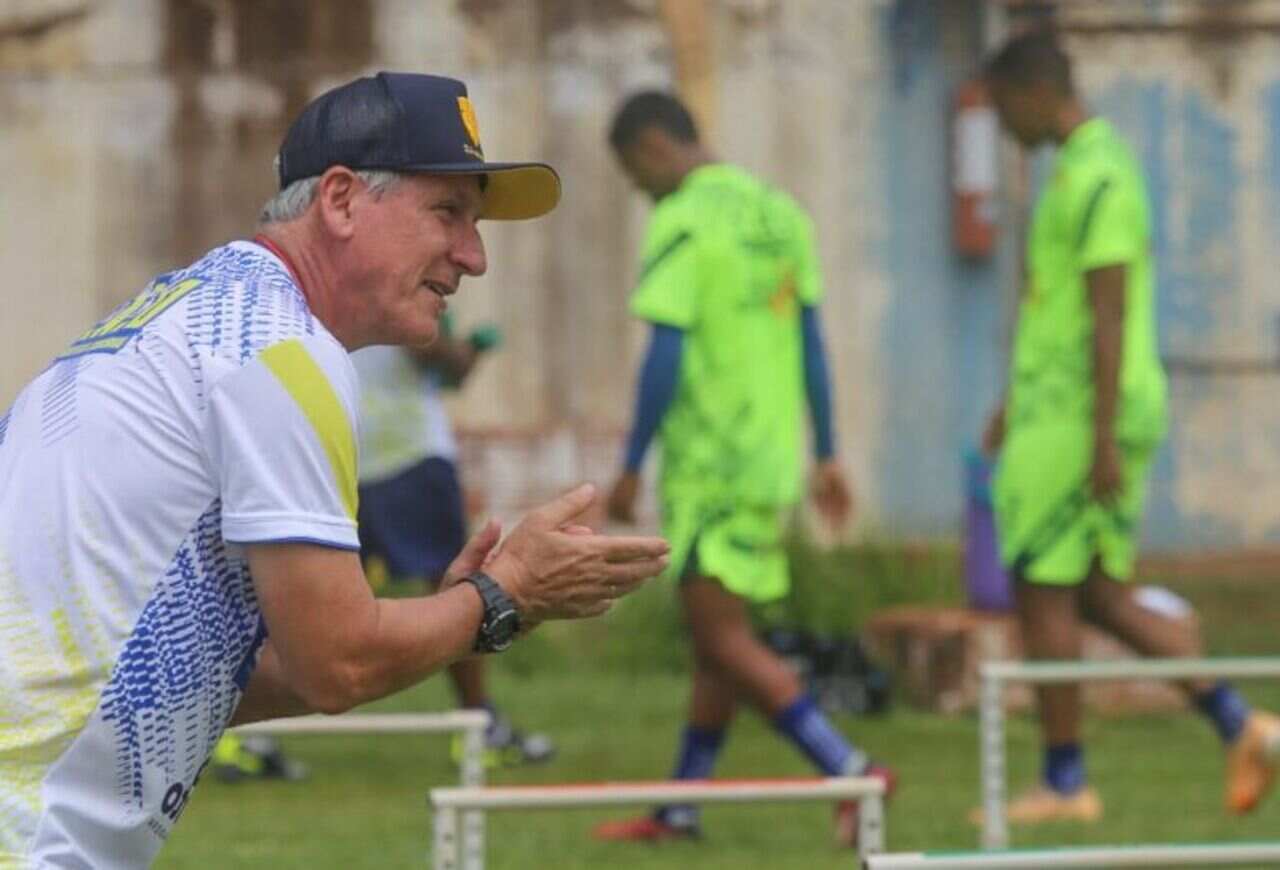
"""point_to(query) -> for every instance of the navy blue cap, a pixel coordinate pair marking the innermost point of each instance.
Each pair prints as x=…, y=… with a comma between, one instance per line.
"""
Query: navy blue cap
x=408, y=122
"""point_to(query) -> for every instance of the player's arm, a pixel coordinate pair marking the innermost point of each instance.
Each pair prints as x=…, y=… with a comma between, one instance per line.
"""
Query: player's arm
x=666, y=298
x=453, y=357
x=655, y=390
x=830, y=490
x=817, y=384
x=1106, y=290
x=1109, y=235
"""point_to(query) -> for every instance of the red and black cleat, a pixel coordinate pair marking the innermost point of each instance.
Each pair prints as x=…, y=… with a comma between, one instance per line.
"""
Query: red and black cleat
x=644, y=829
x=848, y=815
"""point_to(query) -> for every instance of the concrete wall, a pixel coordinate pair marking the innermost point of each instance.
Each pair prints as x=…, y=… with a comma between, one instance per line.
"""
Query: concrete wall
x=134, y=134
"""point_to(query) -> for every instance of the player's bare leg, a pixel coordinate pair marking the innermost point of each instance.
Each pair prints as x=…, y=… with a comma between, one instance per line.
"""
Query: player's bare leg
x=1050, y=622
x=468, y=681
x=723, y=638
x=713, y=702
x=1250, y=736
x=1113, y=606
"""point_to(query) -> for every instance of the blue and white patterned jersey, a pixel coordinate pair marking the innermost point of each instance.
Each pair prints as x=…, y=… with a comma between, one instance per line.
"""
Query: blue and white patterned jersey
x=211, y=411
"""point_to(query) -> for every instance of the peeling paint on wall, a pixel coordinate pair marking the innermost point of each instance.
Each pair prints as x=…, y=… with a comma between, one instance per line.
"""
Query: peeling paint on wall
x=141, y=132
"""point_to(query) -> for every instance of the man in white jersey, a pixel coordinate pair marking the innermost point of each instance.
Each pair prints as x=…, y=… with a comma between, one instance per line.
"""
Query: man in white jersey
x=412, y=518
x=178, y=548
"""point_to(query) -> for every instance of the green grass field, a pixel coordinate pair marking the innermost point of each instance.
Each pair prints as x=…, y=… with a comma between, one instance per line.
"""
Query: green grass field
x=613, y=696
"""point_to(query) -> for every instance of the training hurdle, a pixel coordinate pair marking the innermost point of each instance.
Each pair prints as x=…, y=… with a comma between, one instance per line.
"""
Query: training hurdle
x=448, y=802
x=991, y=738
x=470, y=723
x=1186, y=855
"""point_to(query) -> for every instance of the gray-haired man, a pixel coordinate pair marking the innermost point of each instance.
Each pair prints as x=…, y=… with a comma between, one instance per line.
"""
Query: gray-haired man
x=178, y=547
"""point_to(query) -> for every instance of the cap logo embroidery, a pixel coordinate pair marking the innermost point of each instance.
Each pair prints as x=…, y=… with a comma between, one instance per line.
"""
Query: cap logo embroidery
x=468, y=115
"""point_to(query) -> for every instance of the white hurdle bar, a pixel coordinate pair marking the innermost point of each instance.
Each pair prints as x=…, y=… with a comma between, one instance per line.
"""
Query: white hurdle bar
x=1187, y=855
x=447, y=802
x=991, y=740
x=471, y=723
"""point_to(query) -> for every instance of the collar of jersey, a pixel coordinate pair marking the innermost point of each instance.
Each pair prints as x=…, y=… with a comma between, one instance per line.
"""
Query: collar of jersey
x=1085, y=133
x=709, y=171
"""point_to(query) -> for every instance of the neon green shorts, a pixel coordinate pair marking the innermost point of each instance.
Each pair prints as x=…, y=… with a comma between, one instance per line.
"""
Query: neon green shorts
x=742, y=547
x=1051, y=529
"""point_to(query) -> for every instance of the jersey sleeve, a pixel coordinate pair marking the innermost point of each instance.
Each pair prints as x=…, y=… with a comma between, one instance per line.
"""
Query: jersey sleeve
x=1110, y=224
x=667, y=290
x=282, y=443
x=809, y=289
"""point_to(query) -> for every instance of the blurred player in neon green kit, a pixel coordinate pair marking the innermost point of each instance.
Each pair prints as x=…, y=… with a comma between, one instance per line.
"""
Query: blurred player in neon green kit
x=730, y=285
x=1085, y=412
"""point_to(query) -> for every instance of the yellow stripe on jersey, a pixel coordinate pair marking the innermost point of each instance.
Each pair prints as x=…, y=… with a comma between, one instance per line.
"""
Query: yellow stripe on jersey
x=47, y=693
x=306, y=382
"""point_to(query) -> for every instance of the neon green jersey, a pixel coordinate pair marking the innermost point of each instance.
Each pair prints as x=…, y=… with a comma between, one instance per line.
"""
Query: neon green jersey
x=1092, y=213
x=730, y=261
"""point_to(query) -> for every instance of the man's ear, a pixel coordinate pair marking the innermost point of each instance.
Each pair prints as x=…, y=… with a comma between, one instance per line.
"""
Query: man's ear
x=335, y=195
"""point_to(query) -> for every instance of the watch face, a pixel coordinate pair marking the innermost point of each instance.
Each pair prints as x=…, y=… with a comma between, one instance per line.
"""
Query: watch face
x=501, y=630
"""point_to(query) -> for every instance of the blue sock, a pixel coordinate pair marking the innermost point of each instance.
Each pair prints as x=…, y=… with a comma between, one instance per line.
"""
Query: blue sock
x=699, y=748
x=1225, y=709
x=810, y=730
x=1064, y=767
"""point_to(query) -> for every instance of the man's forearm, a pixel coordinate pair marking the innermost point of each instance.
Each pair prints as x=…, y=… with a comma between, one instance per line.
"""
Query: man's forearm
x=419, y=636
x=268, y=695
x=1106, y=298
x=413, y=638
x=398, y=643
x=336, y=645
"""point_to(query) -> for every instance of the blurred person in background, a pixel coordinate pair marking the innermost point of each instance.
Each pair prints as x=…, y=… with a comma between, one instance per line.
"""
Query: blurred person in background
x=1084, y=415
x=412, y=517
x=178, y=489
x=730, y=286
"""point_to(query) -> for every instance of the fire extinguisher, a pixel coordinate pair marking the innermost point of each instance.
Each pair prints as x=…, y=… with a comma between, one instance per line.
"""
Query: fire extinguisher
x=974, y=170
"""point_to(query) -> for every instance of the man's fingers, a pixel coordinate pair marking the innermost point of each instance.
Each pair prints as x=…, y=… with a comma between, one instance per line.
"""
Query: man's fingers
x=559, y=512
x=483, y=541
x=583, y=609
x=475, y=554
x=626, y=549
x=478, y=548
x=640, y=569
x=598, y=608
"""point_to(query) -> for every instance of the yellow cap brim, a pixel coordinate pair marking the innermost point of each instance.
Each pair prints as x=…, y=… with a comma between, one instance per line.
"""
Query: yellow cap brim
x=518, y=191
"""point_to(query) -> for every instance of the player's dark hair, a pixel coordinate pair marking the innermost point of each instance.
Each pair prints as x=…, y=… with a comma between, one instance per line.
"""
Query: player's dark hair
x=1034, y=56
x=651, y=109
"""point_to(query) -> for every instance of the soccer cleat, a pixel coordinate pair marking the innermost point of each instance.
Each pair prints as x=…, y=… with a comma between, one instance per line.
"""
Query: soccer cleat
x=1042, y=804
x=644, y=829
x=847, y=812
x=238, y=758
x=1251, y=762
x=506, y=746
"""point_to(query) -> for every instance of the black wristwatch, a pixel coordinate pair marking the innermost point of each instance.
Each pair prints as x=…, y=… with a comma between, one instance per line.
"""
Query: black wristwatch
x=501, y=620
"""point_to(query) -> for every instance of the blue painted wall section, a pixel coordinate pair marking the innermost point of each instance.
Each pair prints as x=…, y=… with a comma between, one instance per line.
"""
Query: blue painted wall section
x=941, y=333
